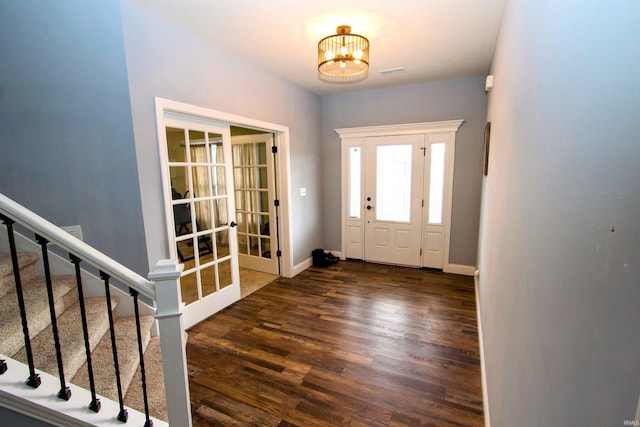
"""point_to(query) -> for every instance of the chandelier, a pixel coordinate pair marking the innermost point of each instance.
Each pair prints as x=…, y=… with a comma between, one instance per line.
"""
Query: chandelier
x=343, y=57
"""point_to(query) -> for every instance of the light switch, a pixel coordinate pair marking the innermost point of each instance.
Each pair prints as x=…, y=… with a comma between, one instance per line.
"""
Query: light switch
x=303, y=191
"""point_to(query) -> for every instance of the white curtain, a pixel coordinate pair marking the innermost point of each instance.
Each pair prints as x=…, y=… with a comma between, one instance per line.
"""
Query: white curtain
x=200, y=178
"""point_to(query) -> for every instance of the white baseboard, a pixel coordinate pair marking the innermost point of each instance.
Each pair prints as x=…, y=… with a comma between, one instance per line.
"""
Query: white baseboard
x=299, y=268
x=483, y=371
x=465, y=270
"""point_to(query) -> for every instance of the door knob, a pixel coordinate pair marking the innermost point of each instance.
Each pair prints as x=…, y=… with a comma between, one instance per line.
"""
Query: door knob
x=233, y=224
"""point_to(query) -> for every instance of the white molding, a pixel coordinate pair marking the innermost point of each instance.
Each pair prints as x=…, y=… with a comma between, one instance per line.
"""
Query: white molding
x=401, y=129
x=283, y=181
x=483, y=370
x=465, y=270
x=43, y=404
x=299, y=268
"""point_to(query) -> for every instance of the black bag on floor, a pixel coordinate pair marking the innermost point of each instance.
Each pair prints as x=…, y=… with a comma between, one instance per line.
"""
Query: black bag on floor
x=322, y=258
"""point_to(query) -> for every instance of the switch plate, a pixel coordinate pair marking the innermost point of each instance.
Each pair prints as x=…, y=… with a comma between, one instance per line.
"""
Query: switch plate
x=303, y=191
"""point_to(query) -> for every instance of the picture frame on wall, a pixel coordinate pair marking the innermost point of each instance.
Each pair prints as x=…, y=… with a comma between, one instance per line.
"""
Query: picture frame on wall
x=487, y=138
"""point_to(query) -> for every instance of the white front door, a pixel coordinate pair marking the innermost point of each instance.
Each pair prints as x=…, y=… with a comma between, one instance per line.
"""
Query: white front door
x=254, y=183
x=397, y=186
x=199, y=190
x=393, y=199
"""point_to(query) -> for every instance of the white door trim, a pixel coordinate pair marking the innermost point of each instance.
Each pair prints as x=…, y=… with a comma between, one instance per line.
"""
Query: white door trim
x=283, y=183
x=351, y=137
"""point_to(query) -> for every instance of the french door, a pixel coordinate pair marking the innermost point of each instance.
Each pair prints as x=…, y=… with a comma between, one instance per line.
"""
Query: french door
x=397, y=191
x=254, y=182
x=199, y=189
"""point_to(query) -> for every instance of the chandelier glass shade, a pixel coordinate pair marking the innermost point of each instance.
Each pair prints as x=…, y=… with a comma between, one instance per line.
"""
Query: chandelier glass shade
x=343, y=57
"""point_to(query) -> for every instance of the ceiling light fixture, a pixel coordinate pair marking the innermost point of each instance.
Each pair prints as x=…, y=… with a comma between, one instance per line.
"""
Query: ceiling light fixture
x=343, y=57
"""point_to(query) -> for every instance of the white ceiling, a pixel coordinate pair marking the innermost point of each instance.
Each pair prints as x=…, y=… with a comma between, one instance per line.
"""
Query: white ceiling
x=432, y=39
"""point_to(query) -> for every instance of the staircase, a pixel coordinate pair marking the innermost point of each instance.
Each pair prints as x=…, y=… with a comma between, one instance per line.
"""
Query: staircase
x=67, y=309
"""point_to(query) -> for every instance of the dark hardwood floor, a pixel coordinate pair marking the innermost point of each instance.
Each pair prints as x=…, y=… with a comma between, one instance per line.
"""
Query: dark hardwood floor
x=354, y=344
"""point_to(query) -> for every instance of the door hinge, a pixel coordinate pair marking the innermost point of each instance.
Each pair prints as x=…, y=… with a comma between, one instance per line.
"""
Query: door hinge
x=278, y=254
x=276, y=202
x=424, y=151
x=423, y=203
x=274, y=149
x=420, y=251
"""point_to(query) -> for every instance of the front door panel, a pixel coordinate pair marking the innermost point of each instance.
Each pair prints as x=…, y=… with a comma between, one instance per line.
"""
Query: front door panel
x=393, y=191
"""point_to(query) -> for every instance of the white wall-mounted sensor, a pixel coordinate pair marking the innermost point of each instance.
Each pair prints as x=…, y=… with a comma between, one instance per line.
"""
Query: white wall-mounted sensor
x=488, y=84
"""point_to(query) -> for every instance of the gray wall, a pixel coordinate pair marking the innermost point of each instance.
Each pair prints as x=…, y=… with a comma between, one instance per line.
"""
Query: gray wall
x=427, y=102
x=560, y=228
x=66, y=145
x=168, y=62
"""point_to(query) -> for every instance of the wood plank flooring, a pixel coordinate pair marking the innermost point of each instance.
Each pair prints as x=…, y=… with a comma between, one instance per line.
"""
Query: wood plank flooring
x=354, y=344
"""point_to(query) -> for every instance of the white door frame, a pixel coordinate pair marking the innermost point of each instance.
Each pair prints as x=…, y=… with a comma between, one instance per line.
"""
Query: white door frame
x=356, y=136
x=283, y=183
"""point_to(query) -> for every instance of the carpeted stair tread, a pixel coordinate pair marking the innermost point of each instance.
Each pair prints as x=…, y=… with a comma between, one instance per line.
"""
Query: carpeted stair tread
x=26, y=262
x=71, y=337
x=37, y=306
x=128, y=360
x=155, y=383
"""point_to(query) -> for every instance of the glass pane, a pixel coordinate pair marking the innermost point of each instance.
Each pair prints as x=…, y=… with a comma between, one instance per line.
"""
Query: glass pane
x=200, y=178
x=393, y=183
x=250, y=180
x=179, y=182
x=205, y=249
x=217, y=153
x=265, y=245
x=238, y=180
x=250, y=154
x=239, y=200
x=218, y=181
x=203, y=215
x=264, y=201
x=176, y=147
x=264, y=225
x=196, y=137
x=242, y=244
x=436, y=183
x=222, y=244
x=208, y=280
x=182, y=219
x=189, y=288
x=220, y=212
x=253, y=246
x=262, y=177
x=262, y=153
x=354, y=182
x=224, y=273
x=253, y=223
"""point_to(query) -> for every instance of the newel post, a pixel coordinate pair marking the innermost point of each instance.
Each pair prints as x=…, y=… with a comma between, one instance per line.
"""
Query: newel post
x=166, y=275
